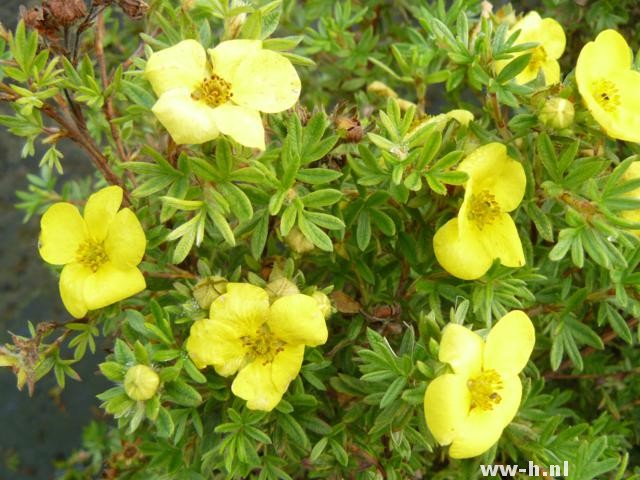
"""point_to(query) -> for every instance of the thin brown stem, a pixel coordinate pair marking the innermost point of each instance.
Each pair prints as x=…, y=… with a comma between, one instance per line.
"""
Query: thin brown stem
x=108, y=108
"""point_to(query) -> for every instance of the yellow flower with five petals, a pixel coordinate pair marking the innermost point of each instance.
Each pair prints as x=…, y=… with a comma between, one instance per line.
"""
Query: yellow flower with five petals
x=608, y=85
x=466, y=246
x=100, y=251
x=469, y=408
x=264, y=343
x=199, y=98
x=551, y=39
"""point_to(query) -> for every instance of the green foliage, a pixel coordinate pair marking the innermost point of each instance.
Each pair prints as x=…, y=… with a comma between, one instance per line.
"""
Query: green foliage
x=363, y=177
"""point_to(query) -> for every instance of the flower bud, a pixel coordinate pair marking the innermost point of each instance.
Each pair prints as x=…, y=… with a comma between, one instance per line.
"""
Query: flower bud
x=208, y=289
x=281, y=288
x=557, y=113
x=141, y=382
x=323, y=302
x=382, y=89
x=298, y=242
x=234, y=24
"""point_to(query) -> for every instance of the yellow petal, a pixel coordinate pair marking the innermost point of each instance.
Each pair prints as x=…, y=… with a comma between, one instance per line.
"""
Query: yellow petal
x=446, y=405
x=266, y=81
x=509, y=344
x=527, y=75
x=72, y=282
x=126, y=242
x=527, y=25
x=552, y=38
x=100, y=210
x=551, y=70
x=462, y=349
x=624, y=122
x=463, y=117
x=500, y=239
x=188, y=121
x=181, y=66
x=297, y=319
x=460, y=255
x=482, y=428
x=490, y=168
x=262, y=384
x=216, y=343
x=109, y=285
x=242, y=124
x=62, y=232
x=226, y=56
x=244, y=305
x=608, y=53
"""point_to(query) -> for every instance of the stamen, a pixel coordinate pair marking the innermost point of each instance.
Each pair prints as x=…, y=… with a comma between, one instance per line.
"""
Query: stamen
x=92, y=255
x=214, y=91
x=484, y=390
x=606, y=94
x=263, y=345
x=483, y=209
x=538, y=58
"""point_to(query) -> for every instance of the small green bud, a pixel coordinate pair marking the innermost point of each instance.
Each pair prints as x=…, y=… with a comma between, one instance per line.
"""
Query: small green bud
x=323, y=302
x=557, y=113
x=281, y=288
x=208, y=289
x=298, y=242
x=141, y=382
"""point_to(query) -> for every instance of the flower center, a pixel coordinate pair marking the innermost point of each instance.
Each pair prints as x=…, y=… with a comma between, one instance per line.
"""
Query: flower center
x=606, y=94
x=538, y=58
x=91, y=254
x=263, y=344
x=214, y=91
x=484, y=390
x=483, y=209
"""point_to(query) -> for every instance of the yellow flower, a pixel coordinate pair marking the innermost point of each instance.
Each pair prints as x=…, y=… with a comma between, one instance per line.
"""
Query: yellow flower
x=466, y=246
x=198, y=100
x=609, y=86
x=141, y=382
x=263, y=343
x=100, y=252
x=551, y=39
x=469, y=408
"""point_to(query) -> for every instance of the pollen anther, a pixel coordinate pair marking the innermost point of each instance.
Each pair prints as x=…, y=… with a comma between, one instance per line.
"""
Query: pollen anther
x=214, y=91
x=484, y=209
x=92, y=254
x=484, y=390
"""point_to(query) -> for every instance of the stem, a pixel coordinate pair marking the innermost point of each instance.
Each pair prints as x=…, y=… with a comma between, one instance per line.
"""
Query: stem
x=108, y=105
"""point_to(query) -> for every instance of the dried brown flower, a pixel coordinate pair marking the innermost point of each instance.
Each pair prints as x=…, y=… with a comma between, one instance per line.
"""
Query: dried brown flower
x=66, y=12
x=134, y=9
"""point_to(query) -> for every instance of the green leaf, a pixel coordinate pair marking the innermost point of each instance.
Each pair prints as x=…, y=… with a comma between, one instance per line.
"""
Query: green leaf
x=393, y=392
x=238, y=201
x=181, y=393
x=288, y=219
x=315, y=235
x=322, y=198
x=164, y=423
x=317, y=176
x=513, y=68
x=260, y=234
x=383, y=221
x=363, y=231
x=324, y=220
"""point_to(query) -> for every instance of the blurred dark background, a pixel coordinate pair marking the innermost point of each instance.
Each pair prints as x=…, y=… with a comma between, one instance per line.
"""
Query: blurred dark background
x=34, y=432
